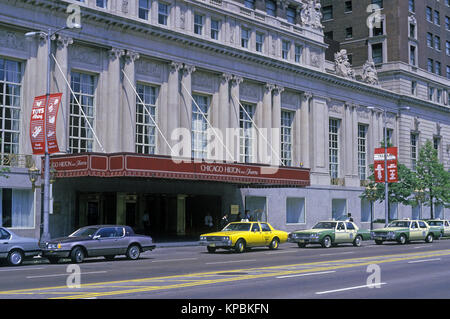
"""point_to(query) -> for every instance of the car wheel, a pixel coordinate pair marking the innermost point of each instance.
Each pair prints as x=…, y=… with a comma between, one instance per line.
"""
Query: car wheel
x=211, y=249
x=357, y=241
x=240, y=246
x=15, y=257
x=77, y=255
x=110, y=257
x=326, y=242
x=429, y=238
x=133, y=252
x=301, y=245
x=274, y=244
x=402, y=239
x=378, y=242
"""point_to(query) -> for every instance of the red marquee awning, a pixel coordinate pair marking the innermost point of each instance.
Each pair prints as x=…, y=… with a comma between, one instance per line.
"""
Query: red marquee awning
x=138, y=165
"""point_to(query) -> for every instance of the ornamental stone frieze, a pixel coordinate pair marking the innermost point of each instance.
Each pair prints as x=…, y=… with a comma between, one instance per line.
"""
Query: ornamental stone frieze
x=311, y=15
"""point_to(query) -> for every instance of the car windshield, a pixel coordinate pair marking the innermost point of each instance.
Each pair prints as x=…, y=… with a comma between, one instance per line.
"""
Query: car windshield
x=325, y=225
x=399, y=224
x=238, y=227
x=84, y=232
x=435, y=223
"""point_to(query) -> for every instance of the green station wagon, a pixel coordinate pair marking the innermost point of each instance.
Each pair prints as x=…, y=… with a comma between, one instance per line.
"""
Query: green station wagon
x=330, y=233
x=403, y=231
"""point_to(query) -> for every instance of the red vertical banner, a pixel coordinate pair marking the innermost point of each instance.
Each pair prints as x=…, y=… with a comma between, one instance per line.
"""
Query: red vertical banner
x=41, y=122
x=378, y=165
x=37, y=125
x=52, y=113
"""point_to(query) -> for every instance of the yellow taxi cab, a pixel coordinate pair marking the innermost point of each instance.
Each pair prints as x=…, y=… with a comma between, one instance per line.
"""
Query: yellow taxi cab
x=238, y=236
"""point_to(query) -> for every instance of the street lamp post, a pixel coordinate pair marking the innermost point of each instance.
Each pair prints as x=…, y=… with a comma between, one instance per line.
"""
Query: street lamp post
x=386, y=184
x=371, y=196
x=45, y=236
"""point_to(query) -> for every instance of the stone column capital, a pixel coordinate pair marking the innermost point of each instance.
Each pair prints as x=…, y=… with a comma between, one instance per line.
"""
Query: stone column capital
x=175, y=66
x=269, y=87
x=131, y=56
x=236, y=80
x=307, y=96
x=226, y=77
x=278, y=89
x=188, y=69
x=115, y=53
x=62, y=41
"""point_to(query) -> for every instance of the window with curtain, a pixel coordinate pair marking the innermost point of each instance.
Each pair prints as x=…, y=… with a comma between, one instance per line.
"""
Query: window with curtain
x=295, y=210
x=16, y=208
x=199, y=138
x=145, y=127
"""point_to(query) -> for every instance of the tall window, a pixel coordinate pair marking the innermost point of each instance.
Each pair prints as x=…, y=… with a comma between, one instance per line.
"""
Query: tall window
x=298, y=53
x=271, y=8
x=290, y=15
x=390, y=134
x=285, y=47
x=80, y=135
x=437, y=18
x=102, y=3
x=198, y=23
x=412, y=55
x=348, y=7
x=145, y=127
x=414, y=140
x=412, y=6
x=247, y=134
x=249, y=4
x=362, y=151
x=414, y=88
x=333, y=147
x=163, y=13
x=199, y=126
x=215, y=25
x=429, y=14
x=327, y=12
x=144, y=8
x=245, y=37
x=287, y=118
x=377, y=53
x=378, y=2
x=10, y=90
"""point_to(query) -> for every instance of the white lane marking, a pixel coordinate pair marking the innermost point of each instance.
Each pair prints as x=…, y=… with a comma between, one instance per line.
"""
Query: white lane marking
x=343, y=253
x=24, y=268
x=349, y=288
x=416, y=247
x=169, y=260
x=66, y=274
x=423, y=260
x=307, y=274
x=282, y=252
x=229, y=262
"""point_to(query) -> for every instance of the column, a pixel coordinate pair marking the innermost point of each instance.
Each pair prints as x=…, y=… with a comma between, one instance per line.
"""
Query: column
x=264, y=151
x=113, y=140
x=233, y=134
x=224, y=108
x=181, y=215
x=302, y=132
x=319, y=141
x=129, y=101
x=186, y=100
x=276, y=124
x=350, y=146
x=60, y=85
x=169, y=116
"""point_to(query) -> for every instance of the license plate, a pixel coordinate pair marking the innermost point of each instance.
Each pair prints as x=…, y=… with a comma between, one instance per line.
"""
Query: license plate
x=212, y=245
x=301, y=241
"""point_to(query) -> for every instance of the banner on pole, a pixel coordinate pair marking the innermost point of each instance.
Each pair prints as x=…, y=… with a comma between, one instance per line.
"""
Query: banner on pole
x=40, y=122
x=378, y=165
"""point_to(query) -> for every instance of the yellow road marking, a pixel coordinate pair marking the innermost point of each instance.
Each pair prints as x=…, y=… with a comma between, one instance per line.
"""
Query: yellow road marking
x=204, y=278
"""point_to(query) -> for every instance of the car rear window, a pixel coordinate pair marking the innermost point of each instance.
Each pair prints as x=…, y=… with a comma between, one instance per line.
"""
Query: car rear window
x=4, y=234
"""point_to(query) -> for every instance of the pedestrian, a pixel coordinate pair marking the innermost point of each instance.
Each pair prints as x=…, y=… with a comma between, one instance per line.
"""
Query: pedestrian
x=247, y=215
x=146, y=223
x=208, y=220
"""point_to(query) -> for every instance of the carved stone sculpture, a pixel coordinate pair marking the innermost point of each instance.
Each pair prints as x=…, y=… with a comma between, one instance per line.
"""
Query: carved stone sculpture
x=311, y=14
x=369, y=74
x=342, y=65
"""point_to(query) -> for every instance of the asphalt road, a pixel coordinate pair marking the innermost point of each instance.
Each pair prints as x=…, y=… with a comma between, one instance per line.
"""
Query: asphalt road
x=415, y=270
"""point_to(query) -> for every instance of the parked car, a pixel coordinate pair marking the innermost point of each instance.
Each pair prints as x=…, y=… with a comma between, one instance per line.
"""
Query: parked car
x=443, y=224
x=99, y=240
x=403, y=231
x=15, y=248
x=330, y=233
x=242, y=235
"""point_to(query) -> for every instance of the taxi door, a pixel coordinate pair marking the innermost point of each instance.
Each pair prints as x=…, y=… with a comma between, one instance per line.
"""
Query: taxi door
x=341, y=234
x=351, y=231
x=255, y=238
x=266, y=233
x=423, y=229
x=415, y=233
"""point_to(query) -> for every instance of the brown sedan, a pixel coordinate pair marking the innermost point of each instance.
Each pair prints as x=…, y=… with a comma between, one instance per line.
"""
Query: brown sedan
x=98, y=240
